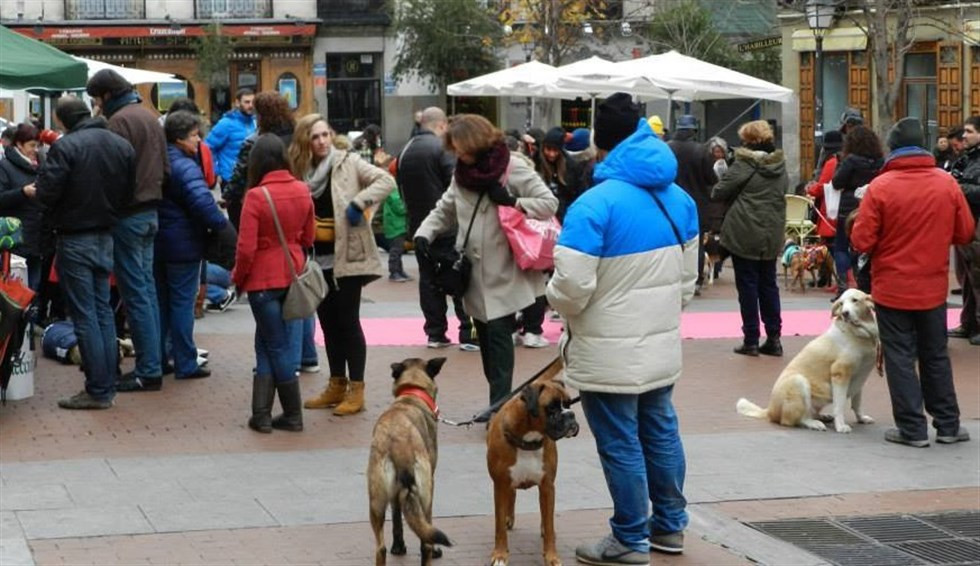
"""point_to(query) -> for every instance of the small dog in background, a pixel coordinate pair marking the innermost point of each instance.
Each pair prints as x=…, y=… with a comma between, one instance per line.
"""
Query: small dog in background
x=793, y=261
x=819, y=262
x=714, y=255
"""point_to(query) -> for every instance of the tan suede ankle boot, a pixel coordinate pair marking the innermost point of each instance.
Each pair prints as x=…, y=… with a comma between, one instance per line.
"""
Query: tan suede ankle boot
x=353, y=401
x=332, y=394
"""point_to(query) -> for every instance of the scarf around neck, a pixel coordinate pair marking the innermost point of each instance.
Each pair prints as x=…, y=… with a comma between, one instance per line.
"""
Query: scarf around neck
x=319, y=178
x=118, y=102
x=487, y=170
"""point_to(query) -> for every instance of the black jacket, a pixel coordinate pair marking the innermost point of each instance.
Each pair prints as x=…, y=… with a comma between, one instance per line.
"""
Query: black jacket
x=695, y=173
x=425, y=170
x=15, y=173
x=88, y=177
x=854, y=172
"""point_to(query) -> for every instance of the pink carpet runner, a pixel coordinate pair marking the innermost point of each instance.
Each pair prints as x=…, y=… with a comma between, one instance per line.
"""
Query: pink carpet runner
x=696, y=325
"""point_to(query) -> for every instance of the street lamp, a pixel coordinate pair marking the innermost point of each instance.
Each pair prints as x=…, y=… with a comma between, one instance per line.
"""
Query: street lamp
x=819, y=17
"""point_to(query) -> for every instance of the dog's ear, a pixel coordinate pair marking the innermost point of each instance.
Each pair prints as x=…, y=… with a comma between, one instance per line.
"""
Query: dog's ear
x=530, y=397
x=869, y=302
x=433, y=366
x=397, y=369
x=835, y=308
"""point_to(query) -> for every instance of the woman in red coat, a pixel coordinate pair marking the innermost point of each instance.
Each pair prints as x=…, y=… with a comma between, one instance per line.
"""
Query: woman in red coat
x=262, y=270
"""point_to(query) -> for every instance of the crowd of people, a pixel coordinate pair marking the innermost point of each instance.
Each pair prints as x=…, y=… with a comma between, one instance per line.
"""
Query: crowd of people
x=121, y=209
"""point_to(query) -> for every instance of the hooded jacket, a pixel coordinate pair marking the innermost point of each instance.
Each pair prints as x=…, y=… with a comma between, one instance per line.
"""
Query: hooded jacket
x=226, y=139
x=624, y=268
x=755, y=185
x=15, y=173
x=88, y=176
x=910, y=215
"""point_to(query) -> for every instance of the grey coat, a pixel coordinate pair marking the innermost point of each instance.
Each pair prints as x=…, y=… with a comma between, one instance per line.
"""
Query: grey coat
x=498, y=286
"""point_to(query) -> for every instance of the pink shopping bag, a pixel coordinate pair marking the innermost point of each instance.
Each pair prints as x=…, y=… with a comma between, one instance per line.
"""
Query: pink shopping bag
x=531, y=241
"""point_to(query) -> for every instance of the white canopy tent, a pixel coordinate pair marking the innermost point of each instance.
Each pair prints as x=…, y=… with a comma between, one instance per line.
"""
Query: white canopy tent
x=134, y=76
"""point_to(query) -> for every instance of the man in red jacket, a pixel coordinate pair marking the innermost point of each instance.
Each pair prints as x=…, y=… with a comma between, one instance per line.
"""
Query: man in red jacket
x=910, y=215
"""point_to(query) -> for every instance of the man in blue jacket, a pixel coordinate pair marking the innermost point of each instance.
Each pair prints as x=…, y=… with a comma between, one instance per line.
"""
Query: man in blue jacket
x=625, y=264
x=229, y=133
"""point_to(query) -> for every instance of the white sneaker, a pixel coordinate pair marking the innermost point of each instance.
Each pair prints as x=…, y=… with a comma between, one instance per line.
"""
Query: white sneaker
x=202, y=353
x=314, y=368
x=535, y=341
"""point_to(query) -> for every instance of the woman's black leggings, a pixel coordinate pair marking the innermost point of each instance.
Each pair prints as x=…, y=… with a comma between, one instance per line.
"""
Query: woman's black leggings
x=340, y=319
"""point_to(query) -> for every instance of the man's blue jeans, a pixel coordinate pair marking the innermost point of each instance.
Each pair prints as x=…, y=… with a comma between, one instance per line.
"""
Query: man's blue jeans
x=84, y=263
x=177, y=286
x=309, y=356
x=277, y=342
x=219, y=281
x=133, y=240
x=642, y=458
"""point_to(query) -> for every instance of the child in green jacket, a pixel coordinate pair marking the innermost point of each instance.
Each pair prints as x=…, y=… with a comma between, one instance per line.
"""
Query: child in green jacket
x=393, y=222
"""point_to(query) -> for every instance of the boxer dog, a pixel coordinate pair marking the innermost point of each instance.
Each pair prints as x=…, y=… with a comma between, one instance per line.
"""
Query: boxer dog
x=402, y=466
x=521, y=453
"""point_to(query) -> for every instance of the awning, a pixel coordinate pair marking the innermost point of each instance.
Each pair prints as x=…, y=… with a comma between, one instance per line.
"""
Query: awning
x=29, y=64
x=836, y=39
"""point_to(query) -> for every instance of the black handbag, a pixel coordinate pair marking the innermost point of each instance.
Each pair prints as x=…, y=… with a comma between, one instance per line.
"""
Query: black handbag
x=453, y=269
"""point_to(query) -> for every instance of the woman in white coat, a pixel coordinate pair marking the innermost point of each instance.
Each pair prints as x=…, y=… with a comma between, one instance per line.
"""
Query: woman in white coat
x=487, y=176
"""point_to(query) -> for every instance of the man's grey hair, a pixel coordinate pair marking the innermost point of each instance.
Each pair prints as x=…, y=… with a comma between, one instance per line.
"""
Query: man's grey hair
x=431, y=116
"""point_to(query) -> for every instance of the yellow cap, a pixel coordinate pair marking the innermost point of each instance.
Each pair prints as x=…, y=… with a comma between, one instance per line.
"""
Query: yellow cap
x=656, y=125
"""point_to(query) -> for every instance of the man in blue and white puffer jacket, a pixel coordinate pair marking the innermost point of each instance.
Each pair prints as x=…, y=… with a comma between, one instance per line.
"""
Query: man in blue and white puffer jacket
x=625, y=265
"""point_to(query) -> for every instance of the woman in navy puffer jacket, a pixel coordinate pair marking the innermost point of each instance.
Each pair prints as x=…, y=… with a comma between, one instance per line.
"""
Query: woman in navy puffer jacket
x=187, y=212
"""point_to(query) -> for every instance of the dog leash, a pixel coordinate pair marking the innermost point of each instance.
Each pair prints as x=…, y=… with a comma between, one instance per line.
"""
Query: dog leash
x=485, y=414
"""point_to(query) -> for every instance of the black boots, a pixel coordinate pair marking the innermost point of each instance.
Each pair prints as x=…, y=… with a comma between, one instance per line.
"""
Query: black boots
x=263, y=394
x=292, y=407
x=771, y=347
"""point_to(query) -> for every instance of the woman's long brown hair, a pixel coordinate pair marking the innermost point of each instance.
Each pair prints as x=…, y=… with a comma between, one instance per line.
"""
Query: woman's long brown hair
x=300, y=153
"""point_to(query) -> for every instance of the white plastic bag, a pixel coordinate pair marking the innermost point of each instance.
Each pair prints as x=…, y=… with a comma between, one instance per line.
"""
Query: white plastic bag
x=831, y=200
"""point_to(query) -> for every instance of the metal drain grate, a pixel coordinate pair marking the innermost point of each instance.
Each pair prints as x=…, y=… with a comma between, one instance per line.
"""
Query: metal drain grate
x=949, y=551
x=893, y=528
x=945, y=539
x=963, y=524
x=863, y=554
x=808, y=532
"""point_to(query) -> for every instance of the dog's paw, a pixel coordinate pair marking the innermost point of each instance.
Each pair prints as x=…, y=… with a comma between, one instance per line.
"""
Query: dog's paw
x=865, y=419
x=436, y=552
x=843, y=428
x=813, y=424
x=498, y=559
x=825, y=418
x=552, y=559
x=398, y=548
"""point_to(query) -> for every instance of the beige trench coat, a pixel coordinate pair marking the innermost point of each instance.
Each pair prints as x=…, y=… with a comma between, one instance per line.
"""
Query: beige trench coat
x=498, y=286
x=353, y=179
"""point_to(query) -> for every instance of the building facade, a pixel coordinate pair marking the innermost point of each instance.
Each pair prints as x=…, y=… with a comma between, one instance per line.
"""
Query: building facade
x=271, y=43
x=941, y=83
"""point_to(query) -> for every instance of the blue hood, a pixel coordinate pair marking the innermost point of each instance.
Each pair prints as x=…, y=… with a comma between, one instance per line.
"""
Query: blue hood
x=642, y=160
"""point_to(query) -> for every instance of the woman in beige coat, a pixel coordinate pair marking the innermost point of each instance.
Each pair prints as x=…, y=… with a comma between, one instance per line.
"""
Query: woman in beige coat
x=347, y=190
x=487, y=176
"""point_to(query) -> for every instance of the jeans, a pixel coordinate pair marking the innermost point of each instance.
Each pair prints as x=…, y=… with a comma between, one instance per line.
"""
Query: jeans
x=277, y=341
x=218, y=281
x=643, y=460
x=497, y=354
x=396, y=247
x=133, y=240
x=908, y=337
x=842, y=258
x=433, y=302
x=309, y=357
x=177, y=285
x=84, y=263
x=758, y=291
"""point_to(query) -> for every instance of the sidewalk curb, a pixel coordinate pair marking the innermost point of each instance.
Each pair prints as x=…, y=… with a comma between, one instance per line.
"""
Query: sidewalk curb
x=746, y=541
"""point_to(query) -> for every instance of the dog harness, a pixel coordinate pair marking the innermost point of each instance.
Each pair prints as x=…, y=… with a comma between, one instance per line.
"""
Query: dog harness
x=421, y=394
x=522, y=444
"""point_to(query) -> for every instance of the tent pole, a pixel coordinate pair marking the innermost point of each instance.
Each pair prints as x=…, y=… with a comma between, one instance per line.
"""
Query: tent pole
x=736, y=118
x=592, y=113
x=670, y=111
x=530, y=113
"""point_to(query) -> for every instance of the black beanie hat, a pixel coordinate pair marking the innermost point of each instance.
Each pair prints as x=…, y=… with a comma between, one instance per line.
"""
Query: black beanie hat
x=833, y=141
x=907, y=132
x=555, y=137
x=616, y=120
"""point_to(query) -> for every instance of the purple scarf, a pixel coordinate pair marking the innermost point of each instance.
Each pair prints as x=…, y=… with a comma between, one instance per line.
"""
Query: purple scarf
x=487, y=170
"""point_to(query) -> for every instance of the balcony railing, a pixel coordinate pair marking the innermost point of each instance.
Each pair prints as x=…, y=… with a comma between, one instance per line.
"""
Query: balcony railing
x=353, y=12
x=221, y=9
x=105, y=9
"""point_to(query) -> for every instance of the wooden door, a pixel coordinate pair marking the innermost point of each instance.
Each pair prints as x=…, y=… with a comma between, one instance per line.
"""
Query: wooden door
x=807, y=158
x=949, y=84
x=975, y=80
x=859, y=84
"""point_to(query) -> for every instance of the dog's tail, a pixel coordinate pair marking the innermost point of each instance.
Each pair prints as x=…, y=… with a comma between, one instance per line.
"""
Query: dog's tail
x=750, y=409
x=412, y=509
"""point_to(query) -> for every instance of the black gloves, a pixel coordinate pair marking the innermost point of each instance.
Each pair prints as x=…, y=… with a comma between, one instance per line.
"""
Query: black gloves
x=421, y=247
x=498, y=194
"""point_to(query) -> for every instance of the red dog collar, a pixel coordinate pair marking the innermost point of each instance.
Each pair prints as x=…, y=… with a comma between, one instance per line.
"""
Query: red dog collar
x=419, y=393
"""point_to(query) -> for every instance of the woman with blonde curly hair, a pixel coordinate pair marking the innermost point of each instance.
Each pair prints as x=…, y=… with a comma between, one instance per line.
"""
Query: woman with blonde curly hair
x=755, y=186
x=346, y=190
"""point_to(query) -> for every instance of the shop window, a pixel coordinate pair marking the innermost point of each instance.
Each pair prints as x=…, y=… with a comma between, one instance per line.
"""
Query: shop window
x=353, y=90
x=233, y=9
x=162, y=95
x=104, y=9
x=919, y=91
x=835, y=88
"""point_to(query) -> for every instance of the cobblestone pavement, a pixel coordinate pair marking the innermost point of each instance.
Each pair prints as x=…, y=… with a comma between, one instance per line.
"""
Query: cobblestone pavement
x=175, y=477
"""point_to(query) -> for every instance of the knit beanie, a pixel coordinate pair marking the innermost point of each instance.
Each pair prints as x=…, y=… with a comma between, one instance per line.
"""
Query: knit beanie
x=579, y=140
x=907, y=132
x=555, y=137
x=833, y=141
x=615, y=120
x=657, y=125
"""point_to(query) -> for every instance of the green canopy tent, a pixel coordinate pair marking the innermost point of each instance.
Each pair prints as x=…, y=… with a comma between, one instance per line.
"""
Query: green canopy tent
x=27, y=64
